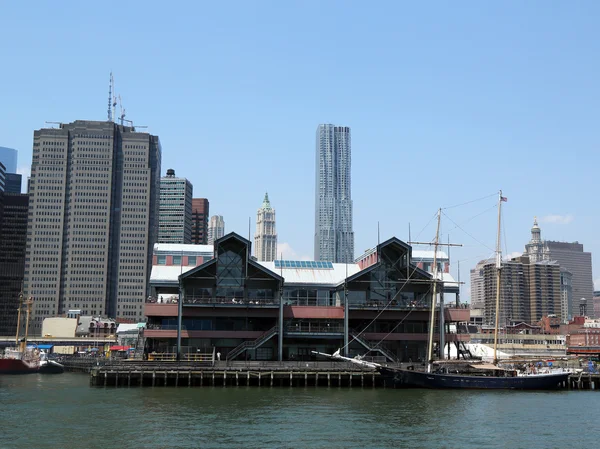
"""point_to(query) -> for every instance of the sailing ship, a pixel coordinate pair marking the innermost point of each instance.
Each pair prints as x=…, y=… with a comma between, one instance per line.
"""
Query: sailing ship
x=24, y=359
x=466, y=375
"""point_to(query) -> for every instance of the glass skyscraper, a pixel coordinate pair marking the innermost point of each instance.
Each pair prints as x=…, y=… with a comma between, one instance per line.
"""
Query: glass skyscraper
x=334, y=237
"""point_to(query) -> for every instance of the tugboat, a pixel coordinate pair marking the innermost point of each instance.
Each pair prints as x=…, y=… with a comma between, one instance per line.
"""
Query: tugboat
x=24, y=359
x=466, y=375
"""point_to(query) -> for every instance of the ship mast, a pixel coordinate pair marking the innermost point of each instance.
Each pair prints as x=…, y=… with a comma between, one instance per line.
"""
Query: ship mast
x=434, y=297
x=498, y=273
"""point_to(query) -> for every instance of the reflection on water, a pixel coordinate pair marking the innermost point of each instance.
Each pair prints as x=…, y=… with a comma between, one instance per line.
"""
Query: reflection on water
x=64, y=412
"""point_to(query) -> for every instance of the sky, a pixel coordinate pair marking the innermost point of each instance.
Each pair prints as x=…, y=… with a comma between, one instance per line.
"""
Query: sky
x=448, y=102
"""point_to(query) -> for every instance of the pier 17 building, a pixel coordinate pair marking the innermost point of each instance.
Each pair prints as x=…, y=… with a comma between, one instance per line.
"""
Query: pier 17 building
x=244, y=309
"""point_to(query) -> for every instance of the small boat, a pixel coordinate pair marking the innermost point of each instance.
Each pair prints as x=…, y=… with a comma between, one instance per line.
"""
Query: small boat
x=48, y=366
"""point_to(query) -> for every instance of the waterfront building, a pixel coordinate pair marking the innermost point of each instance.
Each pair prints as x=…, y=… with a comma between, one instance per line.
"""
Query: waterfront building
x=216, y=229
x=265, y=238
x=570, y=256
x=284, y=309
x=334, y=236
x=175, y=212
x=93, y=220
x=13, y=239
x=8, y=158
x=200, y=214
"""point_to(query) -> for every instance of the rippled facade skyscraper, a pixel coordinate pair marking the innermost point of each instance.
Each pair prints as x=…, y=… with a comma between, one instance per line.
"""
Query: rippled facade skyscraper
x=334, y=236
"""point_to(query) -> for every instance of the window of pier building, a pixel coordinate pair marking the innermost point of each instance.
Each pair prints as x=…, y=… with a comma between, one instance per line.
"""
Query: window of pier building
x=391, y=282
x=231, y=278
x=299, y=296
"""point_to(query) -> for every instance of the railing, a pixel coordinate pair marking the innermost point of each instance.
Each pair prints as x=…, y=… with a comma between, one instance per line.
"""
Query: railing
x=308, y=327
x=395, y=305
x=388, y=355
x=252, y=344
x=230, y=301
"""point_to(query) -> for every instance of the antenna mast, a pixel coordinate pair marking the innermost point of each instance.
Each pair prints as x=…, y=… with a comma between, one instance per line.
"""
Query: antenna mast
x=111, y=88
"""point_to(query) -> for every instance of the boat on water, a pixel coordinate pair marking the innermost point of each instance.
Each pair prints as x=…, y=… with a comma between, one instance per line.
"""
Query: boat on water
x=469, y=375
x=24, y=359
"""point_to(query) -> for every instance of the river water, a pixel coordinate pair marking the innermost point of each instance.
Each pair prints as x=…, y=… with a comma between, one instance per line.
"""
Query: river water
x=64, y=412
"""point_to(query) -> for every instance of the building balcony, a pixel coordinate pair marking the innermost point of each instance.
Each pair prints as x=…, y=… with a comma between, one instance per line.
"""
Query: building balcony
x=203, y=301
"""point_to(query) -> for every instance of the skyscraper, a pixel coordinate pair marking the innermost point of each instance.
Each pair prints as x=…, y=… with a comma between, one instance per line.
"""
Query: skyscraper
x=2, y=177
x=8, y=157
x=265, y=238
x=216, y=229
x=334, y=237
x=175, y=212
x=569, y=256
x=93, y=220
x=12, y=183
x=13, y=238
x=200, y=214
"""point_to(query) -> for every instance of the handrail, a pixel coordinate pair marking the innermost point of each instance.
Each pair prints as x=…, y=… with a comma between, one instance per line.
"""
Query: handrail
x=252, y=343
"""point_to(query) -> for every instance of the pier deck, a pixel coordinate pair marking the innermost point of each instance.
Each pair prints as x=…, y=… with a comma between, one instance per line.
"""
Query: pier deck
x=259, y=374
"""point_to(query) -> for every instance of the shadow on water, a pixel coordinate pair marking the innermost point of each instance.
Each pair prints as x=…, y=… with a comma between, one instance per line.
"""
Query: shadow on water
x=64, y=412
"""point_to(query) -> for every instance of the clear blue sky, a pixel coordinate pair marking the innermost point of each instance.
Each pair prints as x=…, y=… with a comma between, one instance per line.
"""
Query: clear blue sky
x=447, y=101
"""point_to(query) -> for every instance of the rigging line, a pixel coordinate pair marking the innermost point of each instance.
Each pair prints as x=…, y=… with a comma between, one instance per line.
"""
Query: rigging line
x=402, y=320
x=472, y=201
x=387, y=305
x=425, y=227
x=459, y=227
x=504, y=235
x=475, y=216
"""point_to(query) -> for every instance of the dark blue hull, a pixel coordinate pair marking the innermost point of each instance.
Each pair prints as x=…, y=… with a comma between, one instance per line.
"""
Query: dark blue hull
x=397, y=378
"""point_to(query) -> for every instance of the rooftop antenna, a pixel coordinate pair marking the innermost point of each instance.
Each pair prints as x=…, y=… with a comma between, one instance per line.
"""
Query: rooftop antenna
x=122, y=115
x=249, y=218
x=111, y=88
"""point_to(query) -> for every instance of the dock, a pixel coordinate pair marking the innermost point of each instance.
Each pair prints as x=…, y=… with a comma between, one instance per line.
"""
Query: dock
x=259, y=374
x=255, y=374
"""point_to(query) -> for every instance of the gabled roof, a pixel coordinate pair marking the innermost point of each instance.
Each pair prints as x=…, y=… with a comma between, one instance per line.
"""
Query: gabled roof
x=234, y=236
x=198, y=268
x=396, y=241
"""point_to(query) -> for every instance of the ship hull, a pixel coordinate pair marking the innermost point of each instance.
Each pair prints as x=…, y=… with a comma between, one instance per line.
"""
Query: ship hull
x=51, y=367
x=418, y=379
x=16, y=366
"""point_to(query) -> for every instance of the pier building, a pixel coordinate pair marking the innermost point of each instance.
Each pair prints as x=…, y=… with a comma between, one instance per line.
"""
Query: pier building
x=284, y=310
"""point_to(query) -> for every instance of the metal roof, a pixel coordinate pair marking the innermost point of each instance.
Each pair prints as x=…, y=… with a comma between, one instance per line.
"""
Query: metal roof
x=174, y=248
x=309, y=276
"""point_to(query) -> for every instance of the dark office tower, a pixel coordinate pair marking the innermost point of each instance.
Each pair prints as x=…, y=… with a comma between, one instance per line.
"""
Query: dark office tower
x=200, y=221
x=93, y=220
x=13, y=239
x=12, y=183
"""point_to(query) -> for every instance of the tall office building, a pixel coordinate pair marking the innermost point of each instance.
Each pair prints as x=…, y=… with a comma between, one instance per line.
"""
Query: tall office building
x=93, y=220
x=175, y=213
x=216, y=229
x=200, y=214
x=12, y=183
x=8, y=158
x=334, y=237
x=13, y=238
x=569, y=256
x=265, y=238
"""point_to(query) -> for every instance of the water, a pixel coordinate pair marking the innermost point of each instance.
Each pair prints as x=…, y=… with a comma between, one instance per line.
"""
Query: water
x=64, y=412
